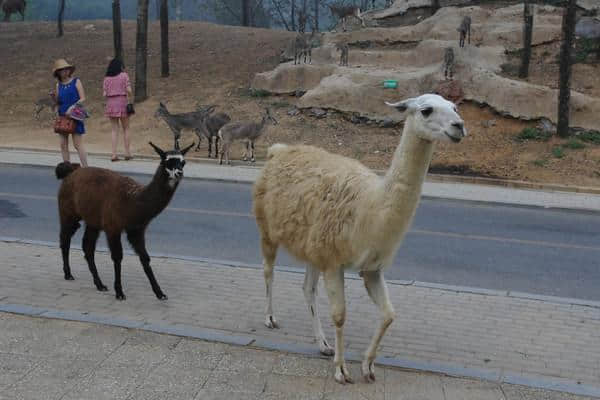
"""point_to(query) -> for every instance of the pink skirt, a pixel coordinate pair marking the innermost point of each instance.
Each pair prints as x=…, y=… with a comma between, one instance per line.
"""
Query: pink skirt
x=116, y=106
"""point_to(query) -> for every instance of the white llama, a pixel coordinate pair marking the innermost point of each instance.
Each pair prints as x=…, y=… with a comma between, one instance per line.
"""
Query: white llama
x=337, y=215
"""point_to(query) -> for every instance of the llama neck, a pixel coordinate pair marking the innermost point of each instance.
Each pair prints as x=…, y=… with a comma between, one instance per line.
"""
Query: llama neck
x=403, y=182
x=155, y=196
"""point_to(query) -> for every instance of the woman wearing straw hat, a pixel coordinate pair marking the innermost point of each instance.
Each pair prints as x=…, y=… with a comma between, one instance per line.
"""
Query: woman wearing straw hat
x=69, y=91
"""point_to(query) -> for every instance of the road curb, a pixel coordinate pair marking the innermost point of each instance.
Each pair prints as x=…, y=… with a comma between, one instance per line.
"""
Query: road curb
x=253, y=341
x=438, y=178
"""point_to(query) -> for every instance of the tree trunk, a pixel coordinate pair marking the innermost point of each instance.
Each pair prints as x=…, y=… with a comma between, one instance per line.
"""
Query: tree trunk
x=245, y=12
x=164, y=38
x=293, y=15
x=527, y=37
x=316, y=24
x=117, y=36
x=141, y=51
x=61, y=12
x=178, y=10
x=564, y=80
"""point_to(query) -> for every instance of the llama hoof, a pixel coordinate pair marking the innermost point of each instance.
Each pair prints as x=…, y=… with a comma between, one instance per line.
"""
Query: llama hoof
x=271, y=323
x=326, y=349
x=121, y=296
x=69, y=277
x=368, y=371
x=342, y=375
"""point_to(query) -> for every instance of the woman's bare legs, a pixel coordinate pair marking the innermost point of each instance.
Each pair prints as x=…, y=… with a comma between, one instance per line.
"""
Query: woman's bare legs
x=78, y=143
x=64, y=147
x=126, y=139
x=114, y=125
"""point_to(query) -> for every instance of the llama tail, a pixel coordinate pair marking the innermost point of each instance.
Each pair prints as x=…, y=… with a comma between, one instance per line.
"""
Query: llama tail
x=274, y=149
x=64, y=169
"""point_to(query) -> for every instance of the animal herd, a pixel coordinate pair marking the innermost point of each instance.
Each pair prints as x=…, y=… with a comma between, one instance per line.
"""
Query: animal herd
x=328, y=211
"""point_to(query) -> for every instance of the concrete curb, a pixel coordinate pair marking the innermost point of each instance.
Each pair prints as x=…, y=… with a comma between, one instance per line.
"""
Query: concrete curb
x=562, y=385
x=507, y=183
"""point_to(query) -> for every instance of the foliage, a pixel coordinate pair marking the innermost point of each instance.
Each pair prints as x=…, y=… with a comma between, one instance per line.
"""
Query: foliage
x=574, y=144
x=532, y=134
x=584, y=47
x=558, y=152
x=589, y=136
x=541, y=162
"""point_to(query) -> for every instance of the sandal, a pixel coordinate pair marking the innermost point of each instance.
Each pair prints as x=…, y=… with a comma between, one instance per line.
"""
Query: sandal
x=127, y=158
x=113, y=159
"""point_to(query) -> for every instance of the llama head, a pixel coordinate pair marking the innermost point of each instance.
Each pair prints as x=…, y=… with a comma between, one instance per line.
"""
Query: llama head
x=431, y=117
x=172, y=162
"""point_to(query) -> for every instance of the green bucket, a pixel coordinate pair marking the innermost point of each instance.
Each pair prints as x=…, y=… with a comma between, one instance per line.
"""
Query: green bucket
x=390, y=84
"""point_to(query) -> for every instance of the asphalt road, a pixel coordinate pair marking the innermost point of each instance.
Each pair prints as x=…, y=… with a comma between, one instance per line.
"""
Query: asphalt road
x=542, y=251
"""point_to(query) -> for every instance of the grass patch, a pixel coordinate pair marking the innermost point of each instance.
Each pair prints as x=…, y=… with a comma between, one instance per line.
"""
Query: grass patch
x=589, y=136
x=532, y=134
x=574, y=144
x=251, y=92
x=541, y=162
x=558, y=152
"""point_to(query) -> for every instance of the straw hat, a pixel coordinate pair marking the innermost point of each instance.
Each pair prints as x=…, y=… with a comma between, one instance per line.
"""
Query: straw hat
x=61, y=63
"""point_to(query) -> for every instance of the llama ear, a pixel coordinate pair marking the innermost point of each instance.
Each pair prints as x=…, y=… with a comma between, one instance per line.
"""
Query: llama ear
x=403, y=106
x=158, y=150
x=187, y=149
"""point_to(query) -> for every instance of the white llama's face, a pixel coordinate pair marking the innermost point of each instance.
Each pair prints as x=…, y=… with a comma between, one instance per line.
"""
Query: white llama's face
x=431, y=117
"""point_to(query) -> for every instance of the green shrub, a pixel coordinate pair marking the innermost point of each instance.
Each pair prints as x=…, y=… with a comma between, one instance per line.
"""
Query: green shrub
x=532, y=134
x=558, y=152
x=541, y=162
x=574, y=144
x=589, y=136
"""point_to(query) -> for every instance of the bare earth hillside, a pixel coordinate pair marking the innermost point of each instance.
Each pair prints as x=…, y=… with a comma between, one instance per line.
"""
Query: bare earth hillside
x=214, y=64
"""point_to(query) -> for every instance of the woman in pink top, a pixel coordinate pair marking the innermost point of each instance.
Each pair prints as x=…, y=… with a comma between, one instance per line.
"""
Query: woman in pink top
x=117, y=90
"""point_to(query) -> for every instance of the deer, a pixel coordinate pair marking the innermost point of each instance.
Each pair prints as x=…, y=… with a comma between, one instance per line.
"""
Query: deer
x=190, y=120
x=42, y=103
x=209, y=128
x=464, y=29
x=247, y=131
x=343, y=48
x=343, y=12
x=12, y=6
x=448, y=65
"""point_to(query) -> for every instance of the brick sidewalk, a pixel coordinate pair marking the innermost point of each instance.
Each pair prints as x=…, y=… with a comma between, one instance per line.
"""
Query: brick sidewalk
x=502, y=338
x=62, y=360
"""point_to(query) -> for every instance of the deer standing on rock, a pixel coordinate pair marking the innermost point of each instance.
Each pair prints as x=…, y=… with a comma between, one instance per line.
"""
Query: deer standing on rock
x=464, y=29
x=248, y=131
x=113, y=203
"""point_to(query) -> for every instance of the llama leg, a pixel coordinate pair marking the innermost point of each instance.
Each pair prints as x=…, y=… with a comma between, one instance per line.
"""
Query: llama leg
x=116, y=253
x=67, y=230
x=378, y=292
x=269, y=251
x=90, y=237
x=311, y=280
x=136, y=238
x=334, y=283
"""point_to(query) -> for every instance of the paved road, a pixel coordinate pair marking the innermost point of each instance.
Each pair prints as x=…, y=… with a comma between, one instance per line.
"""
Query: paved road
x=552, y=252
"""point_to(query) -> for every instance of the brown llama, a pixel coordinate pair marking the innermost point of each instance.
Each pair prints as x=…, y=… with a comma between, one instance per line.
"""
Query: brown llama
x=113, y=203
x=12, y=6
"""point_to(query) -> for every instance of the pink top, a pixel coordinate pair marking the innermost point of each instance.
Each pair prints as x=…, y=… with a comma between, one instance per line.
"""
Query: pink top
x=116, y=85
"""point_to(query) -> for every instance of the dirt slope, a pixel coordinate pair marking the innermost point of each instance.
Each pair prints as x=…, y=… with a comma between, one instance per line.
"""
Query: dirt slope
x=215, y=64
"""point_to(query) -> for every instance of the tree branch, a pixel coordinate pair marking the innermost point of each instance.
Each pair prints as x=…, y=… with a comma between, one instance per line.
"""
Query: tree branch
x=278, y=9
x=223, y=2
